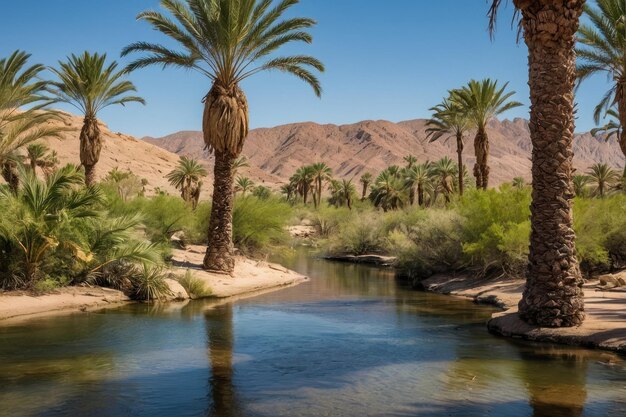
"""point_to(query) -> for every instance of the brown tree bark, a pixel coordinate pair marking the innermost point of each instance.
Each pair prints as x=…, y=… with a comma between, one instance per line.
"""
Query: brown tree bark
x=481, y=150
x=220, y=251
x=459, y=152
x=10, y=175
x=621, y=110
x=553, y=295
x=365, y=185
x=90, y=148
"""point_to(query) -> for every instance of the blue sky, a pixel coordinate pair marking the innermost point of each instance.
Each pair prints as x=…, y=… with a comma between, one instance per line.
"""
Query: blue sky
x=388, y=60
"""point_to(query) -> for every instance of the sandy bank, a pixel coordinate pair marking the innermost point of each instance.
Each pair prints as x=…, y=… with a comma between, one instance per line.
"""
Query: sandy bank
x=250, y=278
x=604, y=327
x=250, y=275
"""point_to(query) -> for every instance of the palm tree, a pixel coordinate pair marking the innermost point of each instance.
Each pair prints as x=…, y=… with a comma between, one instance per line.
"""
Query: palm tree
x=90, y=85
x=410, y=161
x=481, y=101
x=581, y=183
x=289, y=190
x=603, y=177
x=227, y=42
x=243, y=185
x=321, y=173
x=20, y=86
x=36, y=154
x=418, y=178
x=303, y=179
x=388, y=191
x=346, y=191
x=611, y=128
x=241, y=162
x=187, y=177
x=553, y=294
x=602, y=49
x=365, y=180
x=444, y=171
x=449, y=120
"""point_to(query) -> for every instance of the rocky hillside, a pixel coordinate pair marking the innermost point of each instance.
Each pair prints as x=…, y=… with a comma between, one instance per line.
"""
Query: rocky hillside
x=275, y=153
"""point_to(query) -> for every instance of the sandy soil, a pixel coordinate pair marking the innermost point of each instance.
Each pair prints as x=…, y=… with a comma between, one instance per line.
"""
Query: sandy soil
x=604, y=327
x=250, y=278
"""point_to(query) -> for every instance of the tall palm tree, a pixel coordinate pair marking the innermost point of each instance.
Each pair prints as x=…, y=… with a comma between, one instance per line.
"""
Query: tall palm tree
x=602, y=49
x=603, y=177
x=321, y=173
x=418, y=178
x=187, y=177
x=226, y=41
x=23, y=115
x=243, y=185
x=303, y=179
x=481, y=101
x=346, y=192
x=388, y=191
x=86, y=82
x=450, y=119
x=365, y=180
x=36, y=153
x=553, y=294
x=581, y=183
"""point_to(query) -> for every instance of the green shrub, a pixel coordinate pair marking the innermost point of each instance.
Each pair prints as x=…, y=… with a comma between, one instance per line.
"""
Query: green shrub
x=194, y=286
x=600, y=225
x=364, y=234
x=259, y=224
x=148, y=284
x=328, y=220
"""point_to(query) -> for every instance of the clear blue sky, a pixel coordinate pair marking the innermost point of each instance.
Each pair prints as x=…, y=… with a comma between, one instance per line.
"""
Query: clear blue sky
x=388, y=60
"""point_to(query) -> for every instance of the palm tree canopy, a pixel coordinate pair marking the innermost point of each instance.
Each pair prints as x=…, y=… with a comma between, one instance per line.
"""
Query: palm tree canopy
x=21, y=86
x=89, y=84
x=187, y=171
x=244, y=184
x=602, y=48
x=602, y=173
x=448, y=119
x=228, y=41
x=483, y=100
x=366, y=178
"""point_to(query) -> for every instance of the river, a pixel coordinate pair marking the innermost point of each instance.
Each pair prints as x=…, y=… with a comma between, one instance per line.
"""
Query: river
x=352, y=341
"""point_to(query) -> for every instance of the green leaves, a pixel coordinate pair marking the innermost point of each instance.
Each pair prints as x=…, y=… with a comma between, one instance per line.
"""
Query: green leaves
x=482, y=100
x=89, y=84
x=228, y=40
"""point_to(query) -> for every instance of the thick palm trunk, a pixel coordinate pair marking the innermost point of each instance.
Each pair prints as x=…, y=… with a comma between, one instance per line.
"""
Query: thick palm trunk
x=319, y=192
x=220, y=251
x=481, y=168
x=459, y=152
x=90, y=148
x=364, y=191
x=420, y=195
x=553, y=295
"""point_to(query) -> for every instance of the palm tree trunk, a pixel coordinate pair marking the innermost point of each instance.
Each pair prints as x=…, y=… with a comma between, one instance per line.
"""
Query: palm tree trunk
x=621, y=108
x=420, y=195
x=364, y=191
x=553, y=295
x=220, y=251
x=90, y=147
x=459, y=152
x=10, y=175
x=481, y=149
x=319, y=191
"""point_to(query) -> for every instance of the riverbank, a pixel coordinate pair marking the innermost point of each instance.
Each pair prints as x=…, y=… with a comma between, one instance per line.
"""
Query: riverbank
x=250, y=278
x=603, y=328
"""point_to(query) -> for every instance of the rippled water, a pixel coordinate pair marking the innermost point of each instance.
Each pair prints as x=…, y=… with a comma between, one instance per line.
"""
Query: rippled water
x=351, y=342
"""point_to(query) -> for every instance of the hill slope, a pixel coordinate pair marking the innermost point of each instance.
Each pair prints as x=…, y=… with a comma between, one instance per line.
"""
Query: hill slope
x=275, y=153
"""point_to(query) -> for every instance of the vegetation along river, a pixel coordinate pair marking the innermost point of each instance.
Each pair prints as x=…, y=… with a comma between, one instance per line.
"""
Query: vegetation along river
x=350, y=342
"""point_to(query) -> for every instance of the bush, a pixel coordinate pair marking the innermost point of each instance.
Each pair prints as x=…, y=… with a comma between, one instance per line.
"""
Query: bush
x=258, y=224
x=148, y=284
x=194, y=286
x=364, y=234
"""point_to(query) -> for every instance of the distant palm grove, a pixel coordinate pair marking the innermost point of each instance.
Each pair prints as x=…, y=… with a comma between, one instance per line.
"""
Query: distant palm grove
x=63, y=226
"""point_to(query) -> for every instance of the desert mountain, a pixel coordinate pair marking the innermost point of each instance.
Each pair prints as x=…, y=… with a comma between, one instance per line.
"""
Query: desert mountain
x=275, y=153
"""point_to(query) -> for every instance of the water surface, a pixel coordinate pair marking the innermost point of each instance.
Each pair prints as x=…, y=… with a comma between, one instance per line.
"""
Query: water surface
x=350, y=342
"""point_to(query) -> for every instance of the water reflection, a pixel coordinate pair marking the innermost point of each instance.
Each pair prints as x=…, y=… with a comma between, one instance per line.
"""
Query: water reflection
x=219, y=328
x=351, y=341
